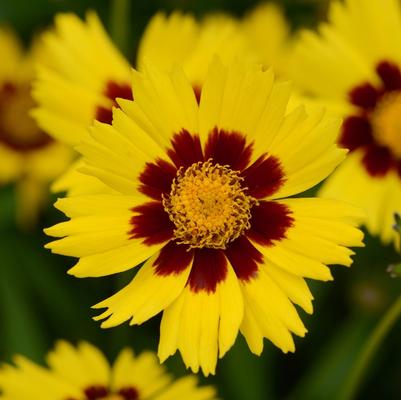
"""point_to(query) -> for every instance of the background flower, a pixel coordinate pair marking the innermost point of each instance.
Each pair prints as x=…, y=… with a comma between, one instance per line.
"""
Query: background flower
x=268, y=34
x=28, y=156
x=84, y=372
x=354, y=64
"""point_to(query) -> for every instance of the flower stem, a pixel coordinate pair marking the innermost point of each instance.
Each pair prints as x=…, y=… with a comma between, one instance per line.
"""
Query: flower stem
x=371, y=346
x=119, y=23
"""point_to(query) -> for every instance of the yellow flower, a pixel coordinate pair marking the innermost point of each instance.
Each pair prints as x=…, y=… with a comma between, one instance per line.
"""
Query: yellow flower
x=268, y=35
x=83, y=76
x=201, y=198
x=354, y=66
x=180, y=39
x=28, y=157
x=88, y=73
x=82, y=372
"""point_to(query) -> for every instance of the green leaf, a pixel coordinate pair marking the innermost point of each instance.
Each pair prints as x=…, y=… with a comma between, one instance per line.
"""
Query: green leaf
x=21, y=331
x=244, y=375
x=332, y=364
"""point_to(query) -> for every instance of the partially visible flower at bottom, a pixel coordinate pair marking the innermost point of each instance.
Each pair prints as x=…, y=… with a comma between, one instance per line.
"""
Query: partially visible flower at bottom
x=83, y=373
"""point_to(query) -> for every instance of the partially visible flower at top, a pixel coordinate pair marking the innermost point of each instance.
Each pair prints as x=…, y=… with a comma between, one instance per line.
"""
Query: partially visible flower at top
x=181, y=40
x=201, y=198
x=89, y=72
x=83, y=373
x=268, y=34
x=28, y=156
x=353, y=64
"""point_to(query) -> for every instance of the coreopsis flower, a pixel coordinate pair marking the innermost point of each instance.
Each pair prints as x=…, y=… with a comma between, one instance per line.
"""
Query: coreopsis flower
x=28, y=157
x=83, y=75
x=201, y=198
x=354, y=66
x=268, y=34
x=83, y=372
x=88, y=72
x=180, y=39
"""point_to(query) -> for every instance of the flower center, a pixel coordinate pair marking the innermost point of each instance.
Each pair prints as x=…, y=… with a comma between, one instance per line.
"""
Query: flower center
x=208, y=206
x=17, y=129
x=99, y=392
x=386, y=122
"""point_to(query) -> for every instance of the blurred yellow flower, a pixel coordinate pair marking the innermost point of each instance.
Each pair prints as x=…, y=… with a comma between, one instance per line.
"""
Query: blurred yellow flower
x=82, y=372
x=28, y=157
x=354, y=66
x=180, y=39
x=268, y=35
x=83, y=75
x=200, y=196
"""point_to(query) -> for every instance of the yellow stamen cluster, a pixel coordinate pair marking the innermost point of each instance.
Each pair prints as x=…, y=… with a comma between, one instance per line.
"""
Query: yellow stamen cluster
x=386, y=121
x=208, y=206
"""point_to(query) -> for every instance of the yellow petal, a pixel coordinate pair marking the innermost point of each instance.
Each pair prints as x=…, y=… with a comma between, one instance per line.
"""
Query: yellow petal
x=148, y=294
x=113, y=261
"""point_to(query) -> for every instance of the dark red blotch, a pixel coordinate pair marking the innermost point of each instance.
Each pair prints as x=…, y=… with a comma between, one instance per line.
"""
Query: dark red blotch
x=208, y=269
x=96, y=392
x=129, y=393
x=244, y=258
x=228, y=148
x=113, y=91
x=151, y=223
x=172, y=259
x=269, y=222
x=264, y=177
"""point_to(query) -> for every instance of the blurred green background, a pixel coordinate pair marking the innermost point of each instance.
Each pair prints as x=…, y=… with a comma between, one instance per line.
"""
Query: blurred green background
x=39, y=303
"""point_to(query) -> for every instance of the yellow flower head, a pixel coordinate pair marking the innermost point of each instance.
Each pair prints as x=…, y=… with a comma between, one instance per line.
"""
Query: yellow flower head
x=268, y=35
x=201, y=199
x=180, y=39
x=28, y=156
x=353, y=64
x=83, y=75
x=83, y=373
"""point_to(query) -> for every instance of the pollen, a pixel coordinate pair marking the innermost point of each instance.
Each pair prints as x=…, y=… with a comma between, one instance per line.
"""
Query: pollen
x=208, y=206
x=386, y=122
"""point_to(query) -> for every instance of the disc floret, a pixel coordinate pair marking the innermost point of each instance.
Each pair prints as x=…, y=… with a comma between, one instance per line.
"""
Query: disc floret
x=208, y=205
